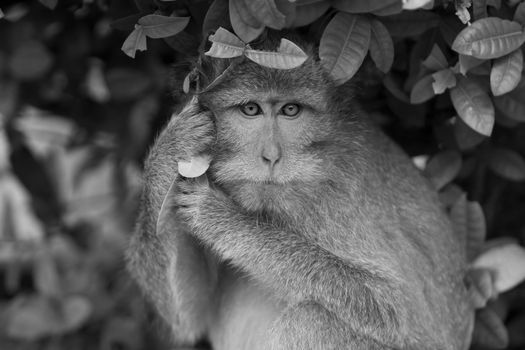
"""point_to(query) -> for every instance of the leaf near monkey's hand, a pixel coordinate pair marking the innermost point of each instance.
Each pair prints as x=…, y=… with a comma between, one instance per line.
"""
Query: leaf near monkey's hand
x=195, y=167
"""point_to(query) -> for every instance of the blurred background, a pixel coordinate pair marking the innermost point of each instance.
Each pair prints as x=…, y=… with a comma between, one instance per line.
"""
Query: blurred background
x=77, y=114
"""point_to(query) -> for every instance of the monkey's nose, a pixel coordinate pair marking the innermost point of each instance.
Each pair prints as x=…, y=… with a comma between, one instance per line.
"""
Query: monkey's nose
x=271, y=154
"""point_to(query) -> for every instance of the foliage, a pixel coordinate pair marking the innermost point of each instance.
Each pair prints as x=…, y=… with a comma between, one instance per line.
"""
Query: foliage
x=443, y=78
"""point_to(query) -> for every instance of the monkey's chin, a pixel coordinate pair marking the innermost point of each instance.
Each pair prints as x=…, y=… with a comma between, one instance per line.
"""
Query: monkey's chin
x=258, y=195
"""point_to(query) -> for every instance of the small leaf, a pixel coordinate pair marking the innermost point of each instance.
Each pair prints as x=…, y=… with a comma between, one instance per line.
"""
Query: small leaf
x=288, y=56
x=363, y=6
x=519, y=15
x=344, y=45
x=473, y=105
x=244, y=24
x=422, y=91
x=216, y=17
x=507, y=163
x=266, y=12
x=436, y=60
x=489, y=330
x=135, y=41
x=507, y=263
x=468, y=62
x=489, y=38
x=443, y=79
x=506, y=73
x=156, y=26
x=195, y=167
x=225, y=45
x=480, y=287
x=381, y=46
x=443, y=168
x=308, y=13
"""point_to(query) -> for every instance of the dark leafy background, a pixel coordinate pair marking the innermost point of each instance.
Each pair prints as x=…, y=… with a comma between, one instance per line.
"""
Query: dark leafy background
x=77, y=114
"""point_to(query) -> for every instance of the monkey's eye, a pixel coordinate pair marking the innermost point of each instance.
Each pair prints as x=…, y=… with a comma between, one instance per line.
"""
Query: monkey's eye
x=290, y=109
x=251, y=109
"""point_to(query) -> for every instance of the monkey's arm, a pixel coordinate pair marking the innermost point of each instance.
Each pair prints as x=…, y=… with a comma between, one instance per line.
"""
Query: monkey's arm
x=171, y=267
x=296, y=268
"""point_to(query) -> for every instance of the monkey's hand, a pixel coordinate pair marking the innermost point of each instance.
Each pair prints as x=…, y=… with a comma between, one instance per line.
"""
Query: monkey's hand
x=297, y=269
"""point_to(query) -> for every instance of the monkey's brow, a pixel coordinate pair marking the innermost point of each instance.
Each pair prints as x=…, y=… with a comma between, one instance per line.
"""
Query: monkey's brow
x=305, y=97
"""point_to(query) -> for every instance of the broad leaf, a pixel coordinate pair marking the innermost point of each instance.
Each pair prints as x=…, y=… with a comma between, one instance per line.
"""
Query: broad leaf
x=507, y=163
x=489, y=38
x=381, y=46
x=288, y=56
x=436, y=60
x=506, y=73
x=135, y=41
x=225, y=45
x=156, y=26
x=473, y=105
x=422, y=91
x=308, y=13
x=195, y=167
x=244, y=24
x=443, y=79
x=443, y=168
x=216, y=17
x=344, y=45
x=363, y=6
x=266, y=12
x=519, y=15
x=489, y=330
x=468, y=62
x=507, y=263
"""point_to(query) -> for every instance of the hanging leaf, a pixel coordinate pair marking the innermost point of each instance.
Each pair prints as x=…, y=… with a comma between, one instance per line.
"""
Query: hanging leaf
x=506, y=73
x=195, y=167
x=489, y=330
x=363, y=6
x=479, y=9
x=443, y=168
x=489, y=38
x=507, y=163
x=519, y=15
x=422, y=91
x=308, y=13
x=266, y=12
x=244, y=24
x=288, y=56
x=436, y=60
x=136, y=41
x=216, y=17
x=443, y=79
x=344, y=45
x=381, y=46
x=156, y=26
x=468, y=62
x=225, y=45
x=473, y=105
x=507, y=262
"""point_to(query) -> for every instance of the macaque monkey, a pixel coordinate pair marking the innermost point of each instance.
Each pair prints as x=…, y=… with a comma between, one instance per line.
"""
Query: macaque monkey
x=315, y=231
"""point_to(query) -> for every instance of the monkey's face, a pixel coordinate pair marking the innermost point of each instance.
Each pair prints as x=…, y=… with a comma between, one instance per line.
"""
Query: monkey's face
x=272, y=130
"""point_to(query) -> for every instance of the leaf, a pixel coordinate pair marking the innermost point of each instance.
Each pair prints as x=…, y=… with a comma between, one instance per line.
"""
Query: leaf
x=411, y=23
x=135, y=41
x=416, y=4
x=156, y=26
x=266, y=12
x=216, y=17
x=225, y=45
x=195, y=167
x=443, y=168
x=30, y=60
x=392, y=9
x=127, y=84
x=344, y=45
x=476, y=229
x=512, y=104
x=363, y=6
x=507, y=163
x=381, y=46
x=50, y=4
x=489, y=38
x=506, y=73
x=468, y=62
x=479, y=9
x=473, y=105
x=507, y=262
x=480, y=287
x=126, y=23
x=443, y=79
x=436, y=60
x=489, y=330
x=288, y=56
x=466, y=137
x=519, y=15
x=46, y=278
x=308, y=13
x=244, y=24
x=422, y=91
